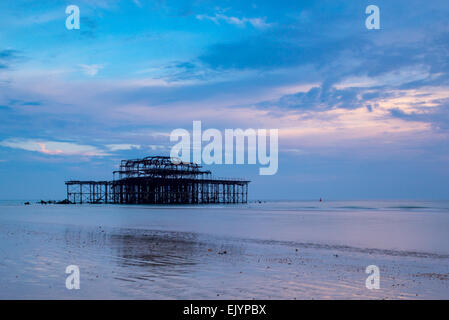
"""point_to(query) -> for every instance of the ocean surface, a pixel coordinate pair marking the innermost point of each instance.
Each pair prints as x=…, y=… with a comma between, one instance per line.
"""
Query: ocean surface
x=268, y=250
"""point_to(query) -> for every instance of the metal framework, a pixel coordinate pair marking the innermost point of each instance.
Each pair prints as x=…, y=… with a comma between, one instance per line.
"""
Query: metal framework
x=159, y=180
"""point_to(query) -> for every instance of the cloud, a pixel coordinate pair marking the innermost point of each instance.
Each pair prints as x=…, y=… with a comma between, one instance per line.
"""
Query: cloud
x=319, y=99
x=53, y=147
x=155, y=147
x=119, y=147
x=351, y=70
x=91, y=70
x=392, y=78
x=259, y=23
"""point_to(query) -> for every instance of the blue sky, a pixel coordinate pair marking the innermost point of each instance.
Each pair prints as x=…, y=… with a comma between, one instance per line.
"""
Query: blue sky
x=361, y=113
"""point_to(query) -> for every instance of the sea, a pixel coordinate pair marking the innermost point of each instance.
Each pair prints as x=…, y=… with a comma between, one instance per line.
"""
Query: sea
x=259, y=250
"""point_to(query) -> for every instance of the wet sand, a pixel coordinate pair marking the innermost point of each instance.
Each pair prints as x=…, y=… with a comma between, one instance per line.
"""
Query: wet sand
x=266, y=251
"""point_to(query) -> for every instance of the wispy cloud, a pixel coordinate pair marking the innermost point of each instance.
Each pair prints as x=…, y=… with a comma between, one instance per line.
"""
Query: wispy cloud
x=91, y=70
x=392, y=78
x=53, y=147
x=259, y=23
x=119, y=147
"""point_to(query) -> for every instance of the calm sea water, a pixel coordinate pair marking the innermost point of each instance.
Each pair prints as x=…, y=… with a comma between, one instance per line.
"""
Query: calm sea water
x=258, y=250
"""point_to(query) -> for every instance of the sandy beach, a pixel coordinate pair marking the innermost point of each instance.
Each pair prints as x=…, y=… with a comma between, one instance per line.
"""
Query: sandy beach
x=273, y=250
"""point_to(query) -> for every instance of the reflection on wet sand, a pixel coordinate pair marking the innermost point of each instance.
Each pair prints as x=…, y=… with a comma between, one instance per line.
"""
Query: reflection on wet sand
x=156, y=253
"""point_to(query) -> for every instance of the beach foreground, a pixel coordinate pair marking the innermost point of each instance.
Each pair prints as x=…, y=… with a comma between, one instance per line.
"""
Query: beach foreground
x=275, y=250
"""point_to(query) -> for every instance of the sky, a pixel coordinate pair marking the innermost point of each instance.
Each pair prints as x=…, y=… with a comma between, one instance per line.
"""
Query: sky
x=362, y=114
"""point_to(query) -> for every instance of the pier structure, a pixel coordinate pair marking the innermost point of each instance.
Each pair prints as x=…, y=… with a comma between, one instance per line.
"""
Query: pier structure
x=159, y=180
x=89, y=191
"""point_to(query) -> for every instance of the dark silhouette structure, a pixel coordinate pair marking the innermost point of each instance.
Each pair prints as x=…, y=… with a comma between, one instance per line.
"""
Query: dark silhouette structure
x=159, y=180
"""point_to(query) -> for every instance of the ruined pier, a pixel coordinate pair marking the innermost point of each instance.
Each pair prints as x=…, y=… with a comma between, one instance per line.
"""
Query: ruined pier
x=159, y=180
